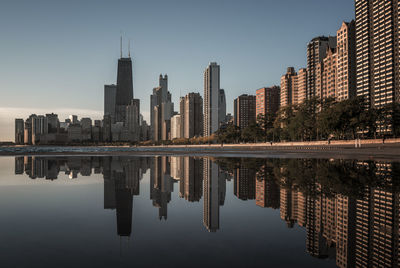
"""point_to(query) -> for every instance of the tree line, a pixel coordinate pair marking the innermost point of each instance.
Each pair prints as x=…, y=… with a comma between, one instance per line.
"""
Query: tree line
x=318, y=120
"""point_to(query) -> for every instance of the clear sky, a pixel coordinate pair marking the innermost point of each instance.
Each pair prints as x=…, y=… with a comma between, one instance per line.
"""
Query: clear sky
x=56, y=56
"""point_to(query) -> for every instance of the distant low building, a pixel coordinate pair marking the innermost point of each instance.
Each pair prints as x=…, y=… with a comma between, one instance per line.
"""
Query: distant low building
x=19, y=131
x=74, y=133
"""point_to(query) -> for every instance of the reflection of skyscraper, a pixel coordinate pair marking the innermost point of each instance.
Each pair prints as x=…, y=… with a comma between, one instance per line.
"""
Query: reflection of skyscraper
x=191, y=185
x=214, y=194
x=267, y=190
x=161, y=185
x=121, y=179
x=244, y=183
x=315, y=243
x=377, y=225
x=19, y=165
x=288, y=200
x=123, y=199
x=345, y=232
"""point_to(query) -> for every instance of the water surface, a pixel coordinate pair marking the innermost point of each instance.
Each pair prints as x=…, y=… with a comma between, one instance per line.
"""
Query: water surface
x=197, y=212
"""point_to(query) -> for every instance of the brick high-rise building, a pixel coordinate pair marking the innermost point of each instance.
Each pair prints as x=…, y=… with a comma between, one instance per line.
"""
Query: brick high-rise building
x=301, y=85
x=289, y=90
x=377, y=51
x=325, y=82
x=244, y=108
x=346, y=62
x=267, y=100
x=316, y=52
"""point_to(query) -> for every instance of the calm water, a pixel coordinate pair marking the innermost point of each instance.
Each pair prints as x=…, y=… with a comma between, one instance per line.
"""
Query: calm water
x=198, y=212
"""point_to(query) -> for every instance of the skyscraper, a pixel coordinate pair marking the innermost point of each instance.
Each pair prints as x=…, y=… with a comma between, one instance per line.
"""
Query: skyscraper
x=267, y=100
x=244, y=108
x=301, y=85
x=326, y=76
x=28, y=129
x=212, y=100
x=39, y=127
x=110, y=94
x=192, y=115
x=346, y=61
x=132, y=119
x=221, y=107
x=176, y=126
x=378, y=51
x=124, y=92
x=289, y=90
x=161, y=110
x=316, y=52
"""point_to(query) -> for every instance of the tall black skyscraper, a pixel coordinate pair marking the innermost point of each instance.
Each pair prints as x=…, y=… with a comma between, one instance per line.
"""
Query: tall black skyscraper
x=124, y=82
x=124, y=93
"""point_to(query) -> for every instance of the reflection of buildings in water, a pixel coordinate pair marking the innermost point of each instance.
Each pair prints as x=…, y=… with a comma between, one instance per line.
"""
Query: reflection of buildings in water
x=121, y=183
x=345, y=232
x=177, y=167
x=19, y=165
x=244, y=183
x=315, y=242
x=288, y=205
x=361, y=232
x=121, y=179
x=377, y=223
x=161, y=185
x=267, y=190
x=191, y=184
x=214, y=194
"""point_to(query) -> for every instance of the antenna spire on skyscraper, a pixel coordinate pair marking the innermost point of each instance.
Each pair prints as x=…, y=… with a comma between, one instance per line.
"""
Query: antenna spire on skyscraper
x=120, y=44
x=129, y=48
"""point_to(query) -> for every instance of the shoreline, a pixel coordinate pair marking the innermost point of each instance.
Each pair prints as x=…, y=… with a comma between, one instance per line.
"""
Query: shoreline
x=368, y=151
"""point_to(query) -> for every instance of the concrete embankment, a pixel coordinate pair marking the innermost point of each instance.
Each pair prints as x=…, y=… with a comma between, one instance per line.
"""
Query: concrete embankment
x=363, y=150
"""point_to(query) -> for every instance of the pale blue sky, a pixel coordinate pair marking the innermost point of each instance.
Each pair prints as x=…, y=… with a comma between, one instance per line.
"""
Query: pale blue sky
x=57, y=55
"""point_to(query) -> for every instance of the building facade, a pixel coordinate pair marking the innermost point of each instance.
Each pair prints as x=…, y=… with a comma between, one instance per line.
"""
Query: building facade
x=192, y=115
x=176, y=126
x=301, y=85
x=289, y=89
x=161, y=110
x=267, y=101
x=244, y=108
x=316, y=52
x=19, y=131
x=211, y=99
x=132, y=119
x=124, y=92
x=326, y=76
x=377, y=51
x=110, y=92
x=346, y=61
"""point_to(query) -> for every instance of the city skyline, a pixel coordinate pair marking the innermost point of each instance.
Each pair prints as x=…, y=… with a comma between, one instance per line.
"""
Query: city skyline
x=84, y=95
